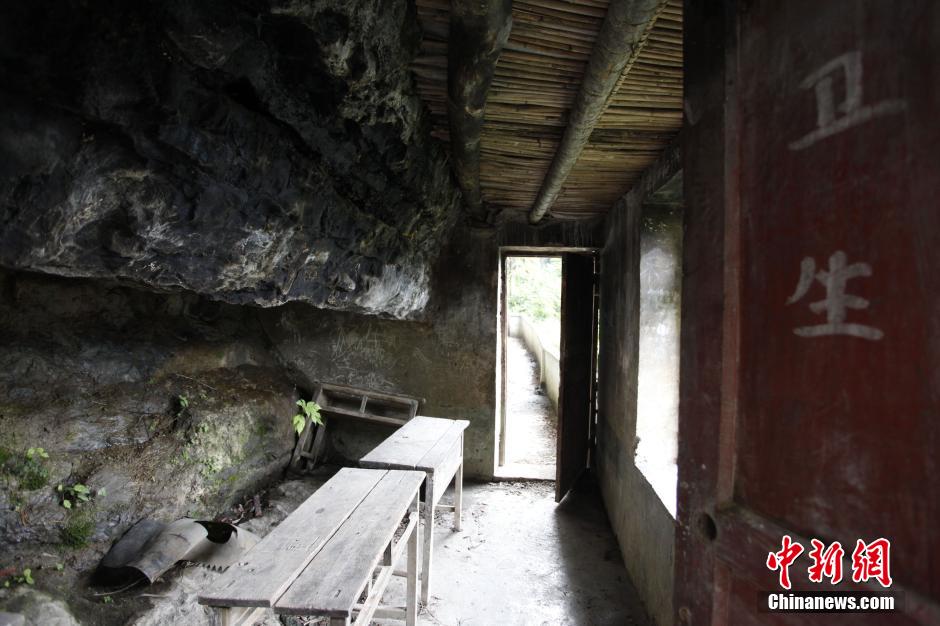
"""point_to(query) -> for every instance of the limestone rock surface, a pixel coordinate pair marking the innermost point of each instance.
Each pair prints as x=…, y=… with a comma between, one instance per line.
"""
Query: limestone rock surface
x=256, y=151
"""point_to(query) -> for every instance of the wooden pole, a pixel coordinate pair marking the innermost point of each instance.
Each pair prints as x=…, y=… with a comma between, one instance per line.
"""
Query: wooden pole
x=478, y=31
x=621, y=38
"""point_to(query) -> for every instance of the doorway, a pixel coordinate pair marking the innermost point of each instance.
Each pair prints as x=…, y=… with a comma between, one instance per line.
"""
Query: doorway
x=532, y=336
x=547, y=369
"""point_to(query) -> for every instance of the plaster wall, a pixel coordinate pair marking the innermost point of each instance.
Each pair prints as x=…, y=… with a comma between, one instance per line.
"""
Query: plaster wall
x=643, y=525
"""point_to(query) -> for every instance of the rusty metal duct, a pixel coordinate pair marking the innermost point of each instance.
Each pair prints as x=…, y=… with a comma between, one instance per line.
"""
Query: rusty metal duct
x=619, y=42
x=478, y=31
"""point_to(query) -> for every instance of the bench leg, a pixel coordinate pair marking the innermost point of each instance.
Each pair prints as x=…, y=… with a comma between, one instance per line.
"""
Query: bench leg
x=224, y=617
x=458, y=495
x=237, y=616
x=428, y=515
x=411, y=600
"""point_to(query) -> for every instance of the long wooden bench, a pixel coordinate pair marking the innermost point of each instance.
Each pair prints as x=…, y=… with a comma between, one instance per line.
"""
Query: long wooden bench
x=432, y=445
x=336, y=546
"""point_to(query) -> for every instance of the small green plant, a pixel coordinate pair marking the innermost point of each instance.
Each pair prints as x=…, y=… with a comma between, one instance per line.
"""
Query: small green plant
x=77, y=531
x=24, y=578
x=77, y=494
x=308, y=410
x=107, y=600
x=182, y=404
x=30, y=471
x=37, y=453
x=211, y=466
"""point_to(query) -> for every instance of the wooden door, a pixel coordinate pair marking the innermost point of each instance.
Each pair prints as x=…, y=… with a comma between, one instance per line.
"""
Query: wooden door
x=810, y=382
x=578, y=347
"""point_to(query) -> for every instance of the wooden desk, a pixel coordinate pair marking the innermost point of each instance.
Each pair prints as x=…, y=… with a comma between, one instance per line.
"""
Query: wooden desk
x=434, y=446
x=337, y=544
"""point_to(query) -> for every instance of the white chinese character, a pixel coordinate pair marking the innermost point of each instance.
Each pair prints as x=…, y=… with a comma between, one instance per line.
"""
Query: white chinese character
x=837, y=301
x=832, y=118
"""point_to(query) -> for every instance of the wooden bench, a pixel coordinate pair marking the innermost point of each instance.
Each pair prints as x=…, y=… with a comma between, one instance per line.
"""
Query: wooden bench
x=432, y=445
x=337, y=545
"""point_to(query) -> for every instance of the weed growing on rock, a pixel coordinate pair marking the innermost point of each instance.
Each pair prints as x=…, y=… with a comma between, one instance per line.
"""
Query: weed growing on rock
x=23, y=473
x=29, y=471
x=24, y=578
x=32, y=472
x=74, y=495
x=211, y=466
x=77, y=530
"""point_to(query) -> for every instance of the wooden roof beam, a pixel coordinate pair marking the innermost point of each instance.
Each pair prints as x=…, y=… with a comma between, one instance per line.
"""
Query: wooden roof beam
x=479, y=30
x=619, y=42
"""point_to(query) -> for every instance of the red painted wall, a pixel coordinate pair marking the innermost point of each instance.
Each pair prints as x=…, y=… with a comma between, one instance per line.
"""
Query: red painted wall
x=811, y=331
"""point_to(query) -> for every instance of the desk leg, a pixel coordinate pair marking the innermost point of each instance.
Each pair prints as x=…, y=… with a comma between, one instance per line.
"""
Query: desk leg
x=458, y=496
x=411, y=600
x=428, y=538
x=237, y=616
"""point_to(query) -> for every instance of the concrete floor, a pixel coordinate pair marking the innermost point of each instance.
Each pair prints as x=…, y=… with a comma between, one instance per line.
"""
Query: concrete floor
x=520, y=559
x=530, y=418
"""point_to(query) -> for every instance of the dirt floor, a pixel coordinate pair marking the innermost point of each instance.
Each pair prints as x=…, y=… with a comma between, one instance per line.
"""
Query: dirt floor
x=530, y=416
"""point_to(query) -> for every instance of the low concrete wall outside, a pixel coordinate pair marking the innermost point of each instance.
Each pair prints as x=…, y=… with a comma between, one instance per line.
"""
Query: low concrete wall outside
x=546, y=358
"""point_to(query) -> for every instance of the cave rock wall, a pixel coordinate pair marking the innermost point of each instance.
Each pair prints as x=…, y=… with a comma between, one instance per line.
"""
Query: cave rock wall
x=256, y=152
x=163, y=405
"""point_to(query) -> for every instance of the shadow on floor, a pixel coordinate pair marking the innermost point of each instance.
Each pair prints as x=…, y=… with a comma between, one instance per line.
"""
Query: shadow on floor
x=523, y=560
x=581, y=517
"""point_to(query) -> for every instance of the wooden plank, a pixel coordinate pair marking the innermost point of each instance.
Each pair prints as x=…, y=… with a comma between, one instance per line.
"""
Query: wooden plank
x=458, y=493
x=387, y=612
x=333, y=581
x=303, y=444
x=268, y=569
x=408, y=445
x=374, y=597
x=446, y=448
x=366, y=417
x=391, y=397
x=411, y=584
x=319, y=442
x=427, y=549
x=446, y=470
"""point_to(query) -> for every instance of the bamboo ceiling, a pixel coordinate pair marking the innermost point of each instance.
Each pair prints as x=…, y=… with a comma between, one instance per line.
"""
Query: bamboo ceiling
x=537, y=78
